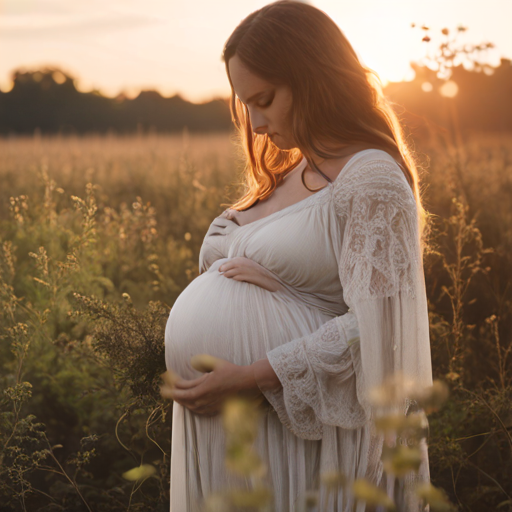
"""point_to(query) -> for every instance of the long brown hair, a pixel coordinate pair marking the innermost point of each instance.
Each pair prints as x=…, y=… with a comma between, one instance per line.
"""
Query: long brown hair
x=335, y=97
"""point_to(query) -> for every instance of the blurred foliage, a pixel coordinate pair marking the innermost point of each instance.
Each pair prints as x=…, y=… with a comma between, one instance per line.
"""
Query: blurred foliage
x=99, y=235
x=451, y=51
x=47, y=100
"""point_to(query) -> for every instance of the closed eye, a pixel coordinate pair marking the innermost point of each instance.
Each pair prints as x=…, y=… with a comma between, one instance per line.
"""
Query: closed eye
x=267, y=104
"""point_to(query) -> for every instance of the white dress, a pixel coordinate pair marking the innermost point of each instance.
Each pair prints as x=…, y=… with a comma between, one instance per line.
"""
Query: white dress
x=353, y=245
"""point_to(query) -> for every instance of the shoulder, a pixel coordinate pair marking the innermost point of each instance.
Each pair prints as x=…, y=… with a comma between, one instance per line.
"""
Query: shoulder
x=372, y=175
x=371, y=168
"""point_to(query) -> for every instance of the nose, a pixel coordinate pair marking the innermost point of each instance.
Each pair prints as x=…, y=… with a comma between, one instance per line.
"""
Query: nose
x=258, y=122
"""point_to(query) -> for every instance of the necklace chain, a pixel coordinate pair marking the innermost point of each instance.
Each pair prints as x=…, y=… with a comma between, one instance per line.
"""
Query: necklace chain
x=304, y=181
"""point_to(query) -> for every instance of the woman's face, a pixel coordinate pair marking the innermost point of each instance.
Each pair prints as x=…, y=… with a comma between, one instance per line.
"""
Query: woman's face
x=269, y=105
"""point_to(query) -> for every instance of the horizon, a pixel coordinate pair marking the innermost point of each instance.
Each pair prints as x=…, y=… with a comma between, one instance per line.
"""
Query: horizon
x=109, y=50
x=122, y=95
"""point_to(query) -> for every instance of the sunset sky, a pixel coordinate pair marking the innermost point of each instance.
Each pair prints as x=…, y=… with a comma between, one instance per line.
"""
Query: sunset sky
x=175, y=46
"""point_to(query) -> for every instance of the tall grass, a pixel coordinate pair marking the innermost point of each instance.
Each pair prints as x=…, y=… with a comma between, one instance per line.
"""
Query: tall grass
x=99, y=235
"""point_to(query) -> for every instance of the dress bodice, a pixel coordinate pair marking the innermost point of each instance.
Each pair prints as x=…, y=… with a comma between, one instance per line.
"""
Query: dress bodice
x=294, y=243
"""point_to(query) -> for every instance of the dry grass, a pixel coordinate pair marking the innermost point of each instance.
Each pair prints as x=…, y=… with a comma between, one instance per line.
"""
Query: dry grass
x=108, y=216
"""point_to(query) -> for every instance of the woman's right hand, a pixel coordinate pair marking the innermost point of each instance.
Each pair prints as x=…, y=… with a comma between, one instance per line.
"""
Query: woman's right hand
x=245, y=269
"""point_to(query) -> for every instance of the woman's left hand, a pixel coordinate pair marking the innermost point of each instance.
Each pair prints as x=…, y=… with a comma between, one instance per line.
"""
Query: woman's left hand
x=241, y=268
x=206, y=394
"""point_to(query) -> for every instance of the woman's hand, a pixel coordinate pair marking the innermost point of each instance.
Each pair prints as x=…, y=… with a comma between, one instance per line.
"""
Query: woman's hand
x=245, y=269
x=206, y=394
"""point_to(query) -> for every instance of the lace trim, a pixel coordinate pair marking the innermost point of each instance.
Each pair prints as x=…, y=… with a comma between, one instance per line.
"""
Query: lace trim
x=318, y=383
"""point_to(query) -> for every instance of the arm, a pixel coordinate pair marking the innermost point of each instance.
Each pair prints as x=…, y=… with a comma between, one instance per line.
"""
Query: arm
x=264, y=376
x=325, y=377
x=310, y=381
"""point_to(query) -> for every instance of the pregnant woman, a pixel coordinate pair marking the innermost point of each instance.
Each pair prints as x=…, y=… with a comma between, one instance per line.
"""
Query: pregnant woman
x=311, y=287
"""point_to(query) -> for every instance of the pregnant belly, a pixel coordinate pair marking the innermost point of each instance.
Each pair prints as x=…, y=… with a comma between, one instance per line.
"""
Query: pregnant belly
x=233, y=320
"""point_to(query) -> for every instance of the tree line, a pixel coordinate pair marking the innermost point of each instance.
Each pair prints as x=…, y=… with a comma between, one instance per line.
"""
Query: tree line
x=47, y=101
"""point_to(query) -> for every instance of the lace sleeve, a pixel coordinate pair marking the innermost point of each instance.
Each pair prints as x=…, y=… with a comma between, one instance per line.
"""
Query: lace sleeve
x=381, y=271
x=326, y=376
x=317, y=377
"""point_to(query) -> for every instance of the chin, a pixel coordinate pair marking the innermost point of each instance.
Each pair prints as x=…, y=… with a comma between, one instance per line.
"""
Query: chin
x=280, y=143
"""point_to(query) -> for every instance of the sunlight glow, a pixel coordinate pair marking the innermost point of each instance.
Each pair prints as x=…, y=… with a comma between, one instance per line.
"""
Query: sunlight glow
x=449, y=89
x=175, y=47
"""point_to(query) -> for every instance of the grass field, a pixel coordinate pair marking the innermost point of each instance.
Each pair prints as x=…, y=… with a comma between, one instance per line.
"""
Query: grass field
x=99, y=235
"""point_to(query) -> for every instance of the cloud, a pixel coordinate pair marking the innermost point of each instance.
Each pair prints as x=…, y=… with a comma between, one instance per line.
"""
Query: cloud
x=34, y=26
x=24, y=7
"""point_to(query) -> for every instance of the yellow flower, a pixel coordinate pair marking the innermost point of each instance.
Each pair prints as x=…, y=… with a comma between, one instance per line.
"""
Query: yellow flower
x=140, y=473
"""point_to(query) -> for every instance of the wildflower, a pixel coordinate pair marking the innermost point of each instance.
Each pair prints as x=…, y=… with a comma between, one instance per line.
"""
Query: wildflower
x=140, y=473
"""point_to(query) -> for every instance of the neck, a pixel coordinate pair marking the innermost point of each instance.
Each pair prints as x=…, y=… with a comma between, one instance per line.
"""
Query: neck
x=340, y=152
